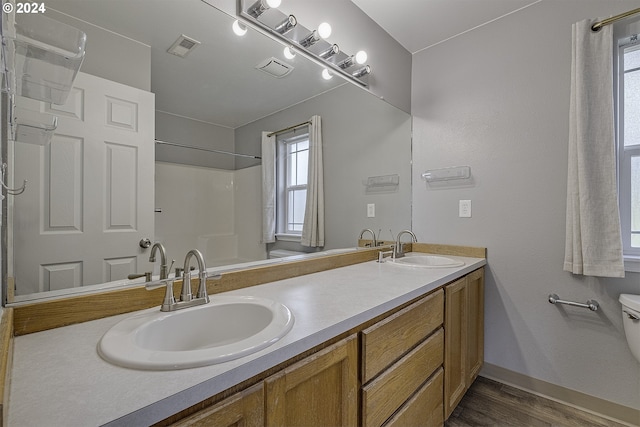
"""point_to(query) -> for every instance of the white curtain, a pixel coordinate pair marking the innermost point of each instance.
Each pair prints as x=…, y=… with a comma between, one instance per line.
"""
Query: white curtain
x=593, y=245
x=313, y=226
x=268, y=188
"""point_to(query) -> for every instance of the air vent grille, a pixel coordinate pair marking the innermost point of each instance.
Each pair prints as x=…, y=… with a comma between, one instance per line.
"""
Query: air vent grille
x=275, y=67
x=183, y=46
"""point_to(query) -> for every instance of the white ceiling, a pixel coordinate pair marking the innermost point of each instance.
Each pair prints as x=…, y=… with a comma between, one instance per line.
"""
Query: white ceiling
x=418, y=24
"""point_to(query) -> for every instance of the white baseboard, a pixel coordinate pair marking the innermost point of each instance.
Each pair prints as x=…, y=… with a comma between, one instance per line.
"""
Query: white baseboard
x=594, y=405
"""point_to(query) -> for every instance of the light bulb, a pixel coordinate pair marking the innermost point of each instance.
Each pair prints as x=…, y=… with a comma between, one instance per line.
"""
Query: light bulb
x=238, y=28
x=324, y=30
x=361, y=57
x=289, y=53
x=326, y=74
x=274, y=3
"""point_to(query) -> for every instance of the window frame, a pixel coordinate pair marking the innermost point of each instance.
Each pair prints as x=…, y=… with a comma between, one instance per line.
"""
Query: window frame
x=283, y=232
x=631, y=254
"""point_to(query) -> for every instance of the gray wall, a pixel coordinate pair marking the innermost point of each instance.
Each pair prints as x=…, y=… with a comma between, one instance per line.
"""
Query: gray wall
x=497, y=99
x=362, y=137
x=194, y=133
x=353, y=30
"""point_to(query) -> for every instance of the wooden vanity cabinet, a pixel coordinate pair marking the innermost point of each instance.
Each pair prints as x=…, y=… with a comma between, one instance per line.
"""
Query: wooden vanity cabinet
x=464, y=336
x=243, y=409
x=402, y=357
x=410, y=368
x=321, y=390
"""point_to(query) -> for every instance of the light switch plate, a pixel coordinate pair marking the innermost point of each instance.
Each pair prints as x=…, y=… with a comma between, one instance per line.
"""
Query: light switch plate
x=464, y=210
x=371, y=210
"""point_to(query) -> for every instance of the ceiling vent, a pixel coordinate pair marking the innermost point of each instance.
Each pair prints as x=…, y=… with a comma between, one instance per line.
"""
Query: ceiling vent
x=275, y=67
x=183, y=46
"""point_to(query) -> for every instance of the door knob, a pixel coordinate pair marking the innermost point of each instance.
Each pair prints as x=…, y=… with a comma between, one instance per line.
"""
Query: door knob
x=145, y=243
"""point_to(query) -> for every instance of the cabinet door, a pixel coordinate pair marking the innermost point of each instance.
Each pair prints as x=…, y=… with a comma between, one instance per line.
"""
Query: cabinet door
x=321, y=390
x=475, y=333
x=245, y=409
x=456, y=331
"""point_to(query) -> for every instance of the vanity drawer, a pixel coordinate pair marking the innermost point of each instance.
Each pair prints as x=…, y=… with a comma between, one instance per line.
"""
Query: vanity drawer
x=388, y=392
x=386, y=341
x=425, y=408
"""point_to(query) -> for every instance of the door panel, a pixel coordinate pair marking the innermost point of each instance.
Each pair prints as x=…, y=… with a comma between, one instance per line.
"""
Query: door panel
x=90, y=195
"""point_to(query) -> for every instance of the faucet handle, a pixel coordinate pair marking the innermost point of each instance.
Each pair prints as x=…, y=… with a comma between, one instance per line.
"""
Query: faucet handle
x=169, y=301
x=146, y=275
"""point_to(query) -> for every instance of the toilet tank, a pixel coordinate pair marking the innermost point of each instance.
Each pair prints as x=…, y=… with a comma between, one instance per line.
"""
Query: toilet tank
x=631, y=321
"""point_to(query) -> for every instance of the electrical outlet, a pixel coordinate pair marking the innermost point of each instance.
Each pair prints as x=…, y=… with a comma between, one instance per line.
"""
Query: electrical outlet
x=371, y=210
x=464, y=210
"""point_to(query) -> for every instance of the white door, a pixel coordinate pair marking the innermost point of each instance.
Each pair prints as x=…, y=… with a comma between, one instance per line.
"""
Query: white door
x=90, y=192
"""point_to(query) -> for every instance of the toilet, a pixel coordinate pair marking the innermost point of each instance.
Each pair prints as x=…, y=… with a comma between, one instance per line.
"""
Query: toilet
x=631, y=320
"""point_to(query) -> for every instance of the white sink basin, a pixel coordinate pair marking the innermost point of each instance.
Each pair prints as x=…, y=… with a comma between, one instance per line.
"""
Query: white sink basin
x=427, y=261
x=227, y=328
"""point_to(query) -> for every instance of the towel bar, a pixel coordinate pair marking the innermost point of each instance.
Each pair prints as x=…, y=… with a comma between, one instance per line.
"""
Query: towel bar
x=590, y=304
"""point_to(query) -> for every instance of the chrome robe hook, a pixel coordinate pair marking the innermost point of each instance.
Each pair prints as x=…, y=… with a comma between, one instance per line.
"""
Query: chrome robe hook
x=11, y=191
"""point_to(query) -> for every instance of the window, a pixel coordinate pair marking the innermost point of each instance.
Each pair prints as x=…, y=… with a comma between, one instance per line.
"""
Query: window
x=629, y=144
x=292, y=167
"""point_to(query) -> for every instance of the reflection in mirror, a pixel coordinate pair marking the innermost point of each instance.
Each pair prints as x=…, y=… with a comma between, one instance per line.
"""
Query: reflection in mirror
x=103, y=185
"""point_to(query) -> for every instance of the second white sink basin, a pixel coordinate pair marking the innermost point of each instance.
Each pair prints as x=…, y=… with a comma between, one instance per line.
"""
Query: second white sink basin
x=427, y=261
x=227, y=328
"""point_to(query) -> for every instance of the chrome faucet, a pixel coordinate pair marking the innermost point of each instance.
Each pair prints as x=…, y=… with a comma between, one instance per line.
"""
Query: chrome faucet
x=375, y=242
x=185, y=294
x=169, y=302
x=398, y=251
x=157, y=246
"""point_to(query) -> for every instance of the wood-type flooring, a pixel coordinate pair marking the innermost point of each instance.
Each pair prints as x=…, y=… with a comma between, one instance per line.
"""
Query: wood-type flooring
x=490, y=403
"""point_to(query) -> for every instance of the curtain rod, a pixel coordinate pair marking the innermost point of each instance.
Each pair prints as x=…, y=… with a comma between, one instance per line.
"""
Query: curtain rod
x=229, y=153
x=598, y=25
x=290, y=128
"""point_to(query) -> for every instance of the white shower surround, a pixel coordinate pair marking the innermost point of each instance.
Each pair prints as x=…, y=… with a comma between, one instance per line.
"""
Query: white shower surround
x=213, y=210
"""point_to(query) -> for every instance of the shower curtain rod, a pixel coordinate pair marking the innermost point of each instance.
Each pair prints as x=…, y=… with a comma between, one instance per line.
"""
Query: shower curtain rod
x=289, y=128
x=229, y=153
x=598, y=25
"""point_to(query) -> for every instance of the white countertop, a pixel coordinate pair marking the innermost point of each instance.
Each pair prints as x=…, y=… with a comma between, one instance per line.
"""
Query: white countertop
x=58, y=378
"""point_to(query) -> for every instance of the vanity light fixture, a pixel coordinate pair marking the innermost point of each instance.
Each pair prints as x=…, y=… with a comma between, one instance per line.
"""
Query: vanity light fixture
x=287, y=25
x=362, y=71
x=301, y=40
x=289, y=53
x=347, y=62
x=238, y=28
x=323, y=32
x=311, y=39
x=333, y=50
x=361, y=57
x=259, y=7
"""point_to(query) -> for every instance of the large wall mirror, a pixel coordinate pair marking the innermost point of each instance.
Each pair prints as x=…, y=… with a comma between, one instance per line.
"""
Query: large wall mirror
x=68, y=233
